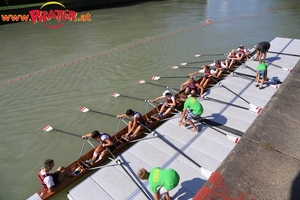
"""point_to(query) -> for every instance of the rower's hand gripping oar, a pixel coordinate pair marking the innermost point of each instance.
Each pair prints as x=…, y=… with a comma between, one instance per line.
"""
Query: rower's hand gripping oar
x=205, y=172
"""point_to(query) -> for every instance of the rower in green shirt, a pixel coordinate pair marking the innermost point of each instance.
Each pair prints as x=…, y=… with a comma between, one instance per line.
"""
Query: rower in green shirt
x=261, y=73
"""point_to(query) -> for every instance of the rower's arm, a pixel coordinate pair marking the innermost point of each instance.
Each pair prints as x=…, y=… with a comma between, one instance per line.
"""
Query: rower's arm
x=86, y=136
x=121, y=116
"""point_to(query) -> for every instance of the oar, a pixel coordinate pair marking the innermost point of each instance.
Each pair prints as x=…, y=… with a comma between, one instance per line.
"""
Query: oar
x=142, y=81
x=115, y=94
x=119, y=162
x=205, y=172
x=222, y=127
x=223, y=102
x=229, y=137
x=286, y=69
x=188, y=63
x=155, y=78
x=287, y=54
x=176, y=67
x=253, y=108
x=48, y=128
x=85, y=109
x=215, y=54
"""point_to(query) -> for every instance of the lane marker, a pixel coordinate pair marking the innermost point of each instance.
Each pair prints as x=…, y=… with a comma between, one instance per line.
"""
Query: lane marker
x=208, y=22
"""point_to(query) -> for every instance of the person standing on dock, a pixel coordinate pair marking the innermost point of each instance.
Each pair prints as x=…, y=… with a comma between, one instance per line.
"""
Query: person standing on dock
x=192, y=109
x=261, y=73
x=133, y=126
x=49, y=180
x=161, y=181
x=261, y=50
x=107, y=145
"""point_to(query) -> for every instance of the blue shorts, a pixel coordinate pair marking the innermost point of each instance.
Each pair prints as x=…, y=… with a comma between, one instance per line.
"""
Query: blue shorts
x=190, y=115
x=262, y=73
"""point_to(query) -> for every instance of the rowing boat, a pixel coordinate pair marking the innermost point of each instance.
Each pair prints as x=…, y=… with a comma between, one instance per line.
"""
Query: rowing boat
x=150, y=120
x=120, y=145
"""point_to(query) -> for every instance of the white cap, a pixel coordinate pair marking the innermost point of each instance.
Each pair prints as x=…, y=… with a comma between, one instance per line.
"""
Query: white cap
x=165, y=92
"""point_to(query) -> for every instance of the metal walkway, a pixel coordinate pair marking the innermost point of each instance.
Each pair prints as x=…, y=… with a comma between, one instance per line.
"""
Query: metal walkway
x=234, y=104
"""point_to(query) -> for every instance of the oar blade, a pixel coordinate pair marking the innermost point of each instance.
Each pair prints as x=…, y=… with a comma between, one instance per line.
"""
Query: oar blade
x=141, y=81
x=197, y=55
x=182, y=64
x=174, y=67
x=205, y=172
x=286, y=69
x=154, y=78
x=84, y=109
x=233, y=139
x=115, y=94
x=255, y=109
x=275, y=86
x=47, y=128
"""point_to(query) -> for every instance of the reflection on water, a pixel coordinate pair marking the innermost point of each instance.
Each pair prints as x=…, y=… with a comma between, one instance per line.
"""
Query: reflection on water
x=61, y=70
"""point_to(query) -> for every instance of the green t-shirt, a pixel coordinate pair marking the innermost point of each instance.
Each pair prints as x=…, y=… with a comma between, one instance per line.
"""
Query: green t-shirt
x=193, y=104
x=262, y=66
x=167, y=178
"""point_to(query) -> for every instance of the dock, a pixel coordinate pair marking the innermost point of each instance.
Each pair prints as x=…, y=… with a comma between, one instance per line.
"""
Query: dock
x=230, y=109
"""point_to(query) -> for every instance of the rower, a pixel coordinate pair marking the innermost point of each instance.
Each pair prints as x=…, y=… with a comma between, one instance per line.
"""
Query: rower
x=102, y=149
x=220, y=67
x=50, y=180
x=192, y=86
x=170, y=103
x=133, y=126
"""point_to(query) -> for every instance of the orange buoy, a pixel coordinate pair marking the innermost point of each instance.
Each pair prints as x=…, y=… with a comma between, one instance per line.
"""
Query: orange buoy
x=207, y=21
